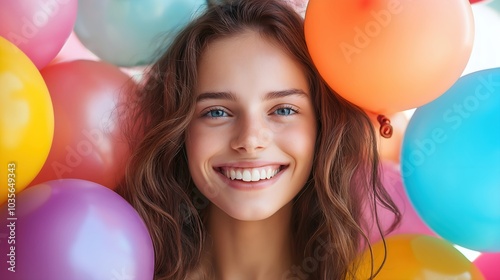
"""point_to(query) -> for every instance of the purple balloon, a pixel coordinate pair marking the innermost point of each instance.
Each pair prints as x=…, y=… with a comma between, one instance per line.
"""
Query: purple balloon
x=73, y=229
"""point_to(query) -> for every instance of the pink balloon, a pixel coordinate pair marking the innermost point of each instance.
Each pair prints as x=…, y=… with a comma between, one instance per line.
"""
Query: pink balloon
x=38, y=28
x=88, y=141
x=410, y=220
x=74, y=50
x=489, y=265
x=73, y=229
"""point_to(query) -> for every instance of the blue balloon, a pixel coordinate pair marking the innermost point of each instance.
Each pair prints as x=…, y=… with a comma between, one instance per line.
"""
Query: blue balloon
x=132, y=32
x=451, y=162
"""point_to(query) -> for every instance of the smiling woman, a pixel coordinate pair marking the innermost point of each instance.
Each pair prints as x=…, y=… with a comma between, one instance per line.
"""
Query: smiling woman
x=247, y=166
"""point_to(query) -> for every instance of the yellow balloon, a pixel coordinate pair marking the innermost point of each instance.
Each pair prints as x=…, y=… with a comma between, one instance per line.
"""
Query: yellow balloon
x=415, y=256
x=26, y=121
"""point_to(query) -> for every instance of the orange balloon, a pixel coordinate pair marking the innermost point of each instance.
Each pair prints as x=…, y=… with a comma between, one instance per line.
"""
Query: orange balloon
x=414, y=256
x=389, y=55
x=88, y=142
x=390, y=148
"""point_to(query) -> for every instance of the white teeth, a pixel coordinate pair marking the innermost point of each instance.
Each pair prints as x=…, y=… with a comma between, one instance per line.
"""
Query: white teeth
x=255, y=175
x=250, y=174
x=269, y=173
x=247, y=176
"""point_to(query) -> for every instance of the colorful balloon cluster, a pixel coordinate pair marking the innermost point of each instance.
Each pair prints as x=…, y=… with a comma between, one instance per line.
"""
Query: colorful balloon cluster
x=442, y=168
x=61, y=148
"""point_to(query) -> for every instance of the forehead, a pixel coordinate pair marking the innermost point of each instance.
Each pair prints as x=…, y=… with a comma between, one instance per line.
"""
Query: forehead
x=248, y=61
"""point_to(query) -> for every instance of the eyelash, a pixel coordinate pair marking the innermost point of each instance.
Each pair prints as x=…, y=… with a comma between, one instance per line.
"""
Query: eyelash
x=293, y=110
x=287, y=107
x=206, y=114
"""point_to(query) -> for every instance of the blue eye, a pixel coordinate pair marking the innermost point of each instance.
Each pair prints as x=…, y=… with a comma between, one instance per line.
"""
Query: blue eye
x=285, y=111
x=216, y=113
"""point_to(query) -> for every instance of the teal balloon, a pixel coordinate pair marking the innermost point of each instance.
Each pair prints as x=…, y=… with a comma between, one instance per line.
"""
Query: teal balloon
x=132, y=32
x=451, y=162
x=495, y=4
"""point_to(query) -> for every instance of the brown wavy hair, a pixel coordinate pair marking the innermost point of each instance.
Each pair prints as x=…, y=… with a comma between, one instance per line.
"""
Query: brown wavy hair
x=328, y=212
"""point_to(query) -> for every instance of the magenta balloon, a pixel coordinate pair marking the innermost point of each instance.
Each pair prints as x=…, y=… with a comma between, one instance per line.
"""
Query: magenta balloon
x=489, y=265
x=38, y=28
x=72, y=229
x=410, y=221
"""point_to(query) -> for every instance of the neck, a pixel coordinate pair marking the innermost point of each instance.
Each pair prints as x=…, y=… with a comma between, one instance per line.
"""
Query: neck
x=251, y=249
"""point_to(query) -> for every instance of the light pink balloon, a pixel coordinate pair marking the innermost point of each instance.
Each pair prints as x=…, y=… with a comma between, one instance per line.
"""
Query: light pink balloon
x=74, y=50
x=38, y=28
x=489, y=265
x=299, y=6
x=410, y=220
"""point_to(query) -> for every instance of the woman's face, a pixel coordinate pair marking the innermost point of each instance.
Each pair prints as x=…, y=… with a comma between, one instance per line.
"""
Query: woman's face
x=250, y=144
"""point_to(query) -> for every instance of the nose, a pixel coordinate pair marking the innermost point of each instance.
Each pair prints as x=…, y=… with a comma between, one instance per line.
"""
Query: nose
x=251, y=135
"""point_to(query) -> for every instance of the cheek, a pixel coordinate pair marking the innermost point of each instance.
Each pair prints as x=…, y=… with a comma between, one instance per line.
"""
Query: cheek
x=201, y=144
x=299, y=141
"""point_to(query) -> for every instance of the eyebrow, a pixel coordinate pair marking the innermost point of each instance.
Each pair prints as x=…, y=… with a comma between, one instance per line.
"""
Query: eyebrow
x=269, y=96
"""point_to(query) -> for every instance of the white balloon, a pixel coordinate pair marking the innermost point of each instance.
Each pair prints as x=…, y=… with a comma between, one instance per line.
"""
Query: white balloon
x=485, y=51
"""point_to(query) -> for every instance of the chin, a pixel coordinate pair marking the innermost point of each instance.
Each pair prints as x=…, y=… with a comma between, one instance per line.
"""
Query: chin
x=248, y=211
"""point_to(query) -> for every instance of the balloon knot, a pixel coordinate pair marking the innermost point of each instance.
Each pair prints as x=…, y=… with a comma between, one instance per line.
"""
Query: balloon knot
x=385, y=126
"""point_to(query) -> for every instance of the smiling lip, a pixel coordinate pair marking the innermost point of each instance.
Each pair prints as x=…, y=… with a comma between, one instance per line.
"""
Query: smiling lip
x=250, y=175
x=250, y=164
